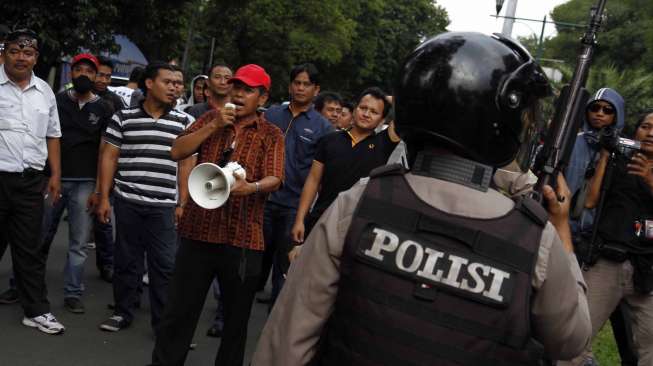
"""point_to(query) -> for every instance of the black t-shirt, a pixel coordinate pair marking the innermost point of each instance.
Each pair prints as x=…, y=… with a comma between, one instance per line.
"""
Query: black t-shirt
x=629, y=199
x=114, y=100
x=81, y=130
x=198, y=109
x=345, y=164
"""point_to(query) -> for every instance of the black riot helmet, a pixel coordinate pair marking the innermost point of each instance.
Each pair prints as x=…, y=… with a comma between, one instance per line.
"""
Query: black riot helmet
x=472, y=94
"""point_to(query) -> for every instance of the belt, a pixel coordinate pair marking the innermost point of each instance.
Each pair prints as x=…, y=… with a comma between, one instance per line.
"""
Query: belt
x=28, y=172
x=613, y=254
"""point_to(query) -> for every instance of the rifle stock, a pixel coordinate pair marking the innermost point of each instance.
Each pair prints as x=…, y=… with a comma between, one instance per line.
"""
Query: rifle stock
x=559, y=142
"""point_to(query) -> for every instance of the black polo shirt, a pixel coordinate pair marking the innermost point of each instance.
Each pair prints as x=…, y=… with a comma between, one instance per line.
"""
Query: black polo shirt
x=81, y=129
x=345, y=163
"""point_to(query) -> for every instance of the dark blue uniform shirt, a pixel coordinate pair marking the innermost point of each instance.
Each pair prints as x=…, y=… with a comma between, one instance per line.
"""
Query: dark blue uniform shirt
x=302, y=134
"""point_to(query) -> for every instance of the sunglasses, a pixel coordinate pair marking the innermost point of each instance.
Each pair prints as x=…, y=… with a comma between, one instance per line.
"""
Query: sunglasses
x=606, y=109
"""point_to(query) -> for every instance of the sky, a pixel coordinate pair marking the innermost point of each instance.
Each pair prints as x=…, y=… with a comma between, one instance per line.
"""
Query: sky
x=474, y=15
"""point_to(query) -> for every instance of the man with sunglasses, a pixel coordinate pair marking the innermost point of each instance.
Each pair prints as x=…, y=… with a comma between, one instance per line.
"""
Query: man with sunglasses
x=604, y=113
x=29, y=136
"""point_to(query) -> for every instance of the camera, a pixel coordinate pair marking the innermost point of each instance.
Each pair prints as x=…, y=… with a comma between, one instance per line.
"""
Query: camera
x=612, y=142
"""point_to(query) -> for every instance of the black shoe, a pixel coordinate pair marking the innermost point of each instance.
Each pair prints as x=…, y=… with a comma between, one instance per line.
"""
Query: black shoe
x=9, y=297
x=214, y=331
x=114, y=324
x=106, y=274
x=74, y=305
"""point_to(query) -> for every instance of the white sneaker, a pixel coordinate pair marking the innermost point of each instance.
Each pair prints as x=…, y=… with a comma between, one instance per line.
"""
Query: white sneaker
x=46, y=323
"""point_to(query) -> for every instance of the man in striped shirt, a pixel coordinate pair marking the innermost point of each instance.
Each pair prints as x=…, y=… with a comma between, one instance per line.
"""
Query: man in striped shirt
x=137, y=152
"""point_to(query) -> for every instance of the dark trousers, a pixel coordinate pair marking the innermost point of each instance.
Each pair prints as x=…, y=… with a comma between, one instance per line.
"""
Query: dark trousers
x=198, y=263
x=104, y=244
x=143, y=229
x=277, y=223
x=621, y=320
x=21, y=216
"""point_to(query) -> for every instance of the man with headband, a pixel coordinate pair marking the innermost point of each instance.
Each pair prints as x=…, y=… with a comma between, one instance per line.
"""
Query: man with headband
x=29, y=135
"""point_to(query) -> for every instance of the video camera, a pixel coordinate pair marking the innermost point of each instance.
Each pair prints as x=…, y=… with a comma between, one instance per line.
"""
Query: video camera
x=611, y=141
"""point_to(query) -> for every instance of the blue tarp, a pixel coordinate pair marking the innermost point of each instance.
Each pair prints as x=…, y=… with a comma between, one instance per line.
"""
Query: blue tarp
x=127, y=59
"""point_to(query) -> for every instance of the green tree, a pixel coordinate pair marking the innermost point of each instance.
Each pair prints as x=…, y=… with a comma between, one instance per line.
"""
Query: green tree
x=63, y=26
x=353, y=43
x=623, y=56
x=625, y=40
x=386, y=32
x=66, y=26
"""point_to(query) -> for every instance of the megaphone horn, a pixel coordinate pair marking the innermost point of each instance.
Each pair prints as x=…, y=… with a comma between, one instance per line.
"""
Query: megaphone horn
x=209, y=185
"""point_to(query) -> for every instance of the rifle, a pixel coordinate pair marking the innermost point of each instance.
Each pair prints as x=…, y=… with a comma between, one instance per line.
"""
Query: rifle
x=559, y=143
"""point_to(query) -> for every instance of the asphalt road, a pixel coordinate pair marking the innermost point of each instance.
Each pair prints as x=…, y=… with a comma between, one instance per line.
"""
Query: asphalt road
x=83, y=344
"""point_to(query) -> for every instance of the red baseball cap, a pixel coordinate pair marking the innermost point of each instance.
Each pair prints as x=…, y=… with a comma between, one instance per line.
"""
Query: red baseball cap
x=85, y=57
x=252, y=75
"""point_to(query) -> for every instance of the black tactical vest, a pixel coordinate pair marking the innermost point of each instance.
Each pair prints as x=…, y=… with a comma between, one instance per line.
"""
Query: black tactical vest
x=423, y=287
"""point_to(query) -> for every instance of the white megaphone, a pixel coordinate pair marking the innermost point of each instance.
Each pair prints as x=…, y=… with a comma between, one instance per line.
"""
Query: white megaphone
x=209, y=185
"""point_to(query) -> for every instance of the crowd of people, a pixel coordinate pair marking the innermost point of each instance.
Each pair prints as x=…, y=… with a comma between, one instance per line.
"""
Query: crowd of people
x=370, y=262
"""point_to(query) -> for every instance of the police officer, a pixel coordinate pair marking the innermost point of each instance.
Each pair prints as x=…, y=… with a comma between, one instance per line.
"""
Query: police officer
x=434, y=267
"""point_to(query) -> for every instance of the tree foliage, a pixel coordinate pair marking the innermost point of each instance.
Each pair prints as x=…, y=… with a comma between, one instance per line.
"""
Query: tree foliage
x=67, y=26
x=625, y=40
x=63, y=26
x=354, y=43
x=624, y=56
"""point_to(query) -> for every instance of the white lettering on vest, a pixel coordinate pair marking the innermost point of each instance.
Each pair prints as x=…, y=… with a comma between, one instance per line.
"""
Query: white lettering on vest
x=417, y=259
x=473, y=271
x=497, y=281
x=471, y=277
x=429, y=266
x=385, y=241
x=454, y=271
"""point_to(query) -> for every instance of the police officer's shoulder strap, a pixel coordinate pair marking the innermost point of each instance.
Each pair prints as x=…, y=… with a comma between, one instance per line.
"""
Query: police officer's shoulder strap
x=386, y=170
x=532, y=209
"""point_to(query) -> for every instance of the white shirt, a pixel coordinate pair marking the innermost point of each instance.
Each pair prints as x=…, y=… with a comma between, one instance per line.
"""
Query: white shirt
x=123, y=92
x=27, y=117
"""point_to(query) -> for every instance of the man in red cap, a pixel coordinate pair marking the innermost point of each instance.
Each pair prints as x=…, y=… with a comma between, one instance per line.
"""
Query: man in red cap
x=83, y=116
x=227, y=241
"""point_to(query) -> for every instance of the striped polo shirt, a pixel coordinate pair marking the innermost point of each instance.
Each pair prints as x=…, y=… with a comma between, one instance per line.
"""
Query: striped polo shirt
x=146, y=173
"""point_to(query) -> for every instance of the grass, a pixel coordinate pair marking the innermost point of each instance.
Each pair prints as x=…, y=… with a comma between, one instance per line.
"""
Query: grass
x=604, y=347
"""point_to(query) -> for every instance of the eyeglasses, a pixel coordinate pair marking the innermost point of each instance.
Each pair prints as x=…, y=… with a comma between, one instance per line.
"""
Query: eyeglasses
x=597, y=107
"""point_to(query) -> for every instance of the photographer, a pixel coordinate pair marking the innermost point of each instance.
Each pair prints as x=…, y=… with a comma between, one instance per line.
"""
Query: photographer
x=604, y=113
x=622, y=268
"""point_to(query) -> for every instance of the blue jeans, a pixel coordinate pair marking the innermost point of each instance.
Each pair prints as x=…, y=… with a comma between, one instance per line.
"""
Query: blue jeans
x=277, y=223
x=74, y=197
x=143, y=229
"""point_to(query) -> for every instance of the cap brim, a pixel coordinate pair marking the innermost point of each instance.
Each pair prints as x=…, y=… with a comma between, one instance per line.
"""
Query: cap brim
x=88, y=61
x=247, y=81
